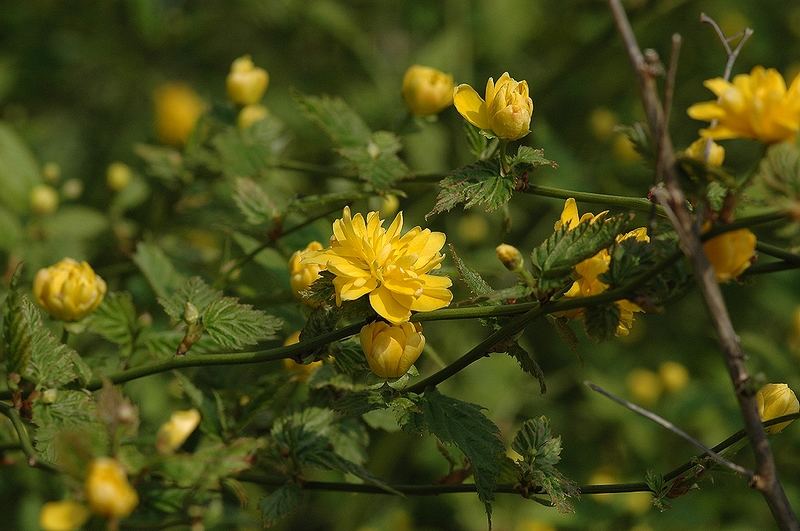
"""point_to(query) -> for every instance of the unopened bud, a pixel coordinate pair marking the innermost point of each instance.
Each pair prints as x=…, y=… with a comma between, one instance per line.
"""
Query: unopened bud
x=43, y=199
x=190, y=313
x=510, y=257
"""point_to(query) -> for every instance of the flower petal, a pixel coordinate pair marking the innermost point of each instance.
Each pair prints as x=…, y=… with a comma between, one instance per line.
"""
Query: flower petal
x=471, y=106
x=392, y=307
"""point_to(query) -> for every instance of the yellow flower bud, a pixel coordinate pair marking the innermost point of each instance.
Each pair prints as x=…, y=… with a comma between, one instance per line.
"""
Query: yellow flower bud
x=674, y=376
x=427, y=90
x=246, y=82
x=107, y=489
x=510, y=257
x=644, y=386
x=303, y=274
x=118, y=176
x=391, y=349
x=730, y=253
x=43, y=199
x=64, y=515
x=250, y=114
x=506, y=110
x=177, y=109
x=697, y=151
x=776, y=400
x=389, y=205
x=69, y=290
x=173, y=433
x=602, y=122
x=301, y=371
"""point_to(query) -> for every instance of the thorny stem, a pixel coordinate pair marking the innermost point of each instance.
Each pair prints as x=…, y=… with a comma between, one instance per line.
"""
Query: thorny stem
x=672, y=198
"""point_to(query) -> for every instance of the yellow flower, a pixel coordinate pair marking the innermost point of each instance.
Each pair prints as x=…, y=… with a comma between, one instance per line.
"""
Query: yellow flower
x=506, y=111
x=246, y=82
x=756, y=105
x=301, y=371
x=427, y=90
x=64, y=515
x=177, y=109
x=674, y=376
x=107, y=489
x=391, y=349
x=43, y=199
x=730, y=253
x=602, y=123
x=118, y=176
x=69, y=290
x=302, y=273
x=644, y=386
x=776, y=400
x=587, y=273
x=173, y=433
x=510, y=257
x=697, y=151
x=393, y=269
x=250, y=114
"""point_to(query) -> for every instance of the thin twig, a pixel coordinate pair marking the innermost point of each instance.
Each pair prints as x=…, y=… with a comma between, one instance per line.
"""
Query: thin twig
x=664, y=423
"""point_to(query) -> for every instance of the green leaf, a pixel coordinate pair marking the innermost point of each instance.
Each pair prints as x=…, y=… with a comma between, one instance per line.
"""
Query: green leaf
x=115, y=319
x=477, y=286
x=779, y=173
x=553, y=260
x=341, y=123
x=476, y=185
x=528, y=158
x=163, y=163
x=601, y=321
x=211, y=462
x=660, y=489
x=234, y=326
x=321, y=291
x=193, y=290
x=66, y=412
x=279, y=504
x=19, y=172
x=240, y=155
x=376, y=161
x=157, y=269
x=464, y=425
x=75, y=222
x=10, y=230
x=528, y=364
x=253, y=202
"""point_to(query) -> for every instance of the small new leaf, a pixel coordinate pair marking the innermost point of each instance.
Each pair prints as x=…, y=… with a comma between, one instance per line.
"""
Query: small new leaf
x=194, y=291
x=279, y=504
x=232, y=325
x=528, y=158
x=479, y=184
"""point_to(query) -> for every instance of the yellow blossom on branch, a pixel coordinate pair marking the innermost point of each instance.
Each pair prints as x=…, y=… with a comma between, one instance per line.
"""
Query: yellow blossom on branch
x=506, y=110
x=69, y=290
x=427, y=90
x=173, y=433
x=391, y=349
x=301, y=273
x=776, y=400
x=64, y=515
x=177, y=109
x=756, y=105
x=246, y=82
x=107, y=489
x=697, y=151
x=731, y=253
x=394, y=269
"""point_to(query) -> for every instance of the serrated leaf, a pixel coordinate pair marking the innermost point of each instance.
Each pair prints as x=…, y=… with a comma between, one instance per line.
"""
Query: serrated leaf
x=241, y=155
x=479, y=184
x=340, y=122
x=528, y=158
x=464, y=425
x=195, y=291
x=601, y=321
x=115, y=319
x=234, y=326
x=553, y=260
x=157, y=269
x=528, y=364
x=477, y=286
x=376, y=161
x=253, y=202
x=279, y=504
x=66, y=411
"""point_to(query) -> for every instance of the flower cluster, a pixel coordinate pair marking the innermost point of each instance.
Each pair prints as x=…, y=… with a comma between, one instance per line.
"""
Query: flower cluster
x=756, y=105
x=505, y=111
x=587, y=273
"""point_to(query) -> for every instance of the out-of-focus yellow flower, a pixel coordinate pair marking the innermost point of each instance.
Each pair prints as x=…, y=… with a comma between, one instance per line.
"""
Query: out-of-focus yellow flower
x=118, y=176
x=506, y=111
x=177, y=109
x=588, y=272
x=755, y=105
x=731, y=253
x=43, y=199
x=602, y=123
x=301, y=371
x=624, y=150
x=64, y=515
x=51, y=172
x=389, y=205
x=250, y=114
x=173, y=433
x=697, y=151
x=69, y=290
x=72, y=188
x=302, y=273
x=674, y=376
x=391, y=349
x=246, y=82
x=473, y=228
x=393, y=269
x=644, y=386
x=107, y=489
x=603, y=476
x=776, y=400
x=427, y=90
x=510, y=257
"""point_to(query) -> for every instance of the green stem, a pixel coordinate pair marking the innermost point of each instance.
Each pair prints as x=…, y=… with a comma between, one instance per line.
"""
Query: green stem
x=24, y=439
x=777, y=252
x=639, y=204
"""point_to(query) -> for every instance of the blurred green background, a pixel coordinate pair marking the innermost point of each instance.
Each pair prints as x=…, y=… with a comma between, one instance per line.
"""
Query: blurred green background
x=76, y=82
